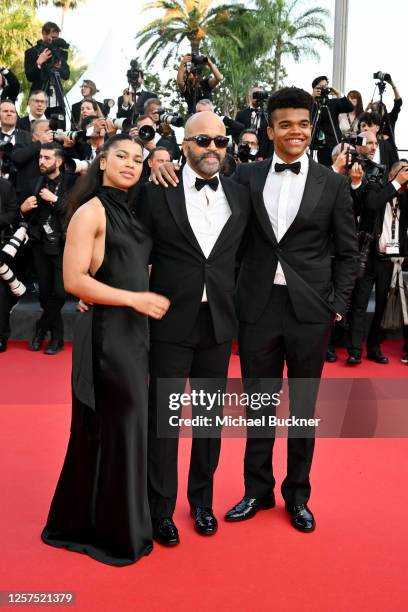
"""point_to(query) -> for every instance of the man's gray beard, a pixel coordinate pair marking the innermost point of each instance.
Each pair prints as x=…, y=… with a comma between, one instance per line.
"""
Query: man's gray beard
x=201, y=165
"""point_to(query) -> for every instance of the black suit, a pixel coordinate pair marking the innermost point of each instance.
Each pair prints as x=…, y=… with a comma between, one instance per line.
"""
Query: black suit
x=292, y=323
x=24, y=123
x=378, y=270
x=388, y=155
x=194, y=338
x=11, y=87
x=246, y=117
x=8, y=217
x=39, y=77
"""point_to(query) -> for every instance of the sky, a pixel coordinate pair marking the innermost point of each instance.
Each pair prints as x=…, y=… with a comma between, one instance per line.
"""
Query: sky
x=374, y=36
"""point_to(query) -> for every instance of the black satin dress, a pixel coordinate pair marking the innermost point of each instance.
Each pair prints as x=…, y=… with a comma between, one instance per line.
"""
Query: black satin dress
x=100, y=505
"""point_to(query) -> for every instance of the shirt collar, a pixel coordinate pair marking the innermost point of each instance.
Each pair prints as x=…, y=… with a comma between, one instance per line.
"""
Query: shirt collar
x=303, y=159
x=31, y=118
x=8, y=132
x=189, y=175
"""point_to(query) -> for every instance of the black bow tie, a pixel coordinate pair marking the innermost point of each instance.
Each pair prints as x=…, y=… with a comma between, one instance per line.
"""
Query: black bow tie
x=295, y=167
x=4, y=136
x=212, y=182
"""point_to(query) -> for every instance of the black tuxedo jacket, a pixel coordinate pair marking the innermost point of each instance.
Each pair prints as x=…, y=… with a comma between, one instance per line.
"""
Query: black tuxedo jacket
x=325, y=218
x=24, y=123
x=8, y=205
x=388, y=155
x=180, y=268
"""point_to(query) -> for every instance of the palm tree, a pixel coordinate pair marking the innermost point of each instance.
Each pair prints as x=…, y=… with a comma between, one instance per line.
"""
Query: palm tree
x=292, y=33
x=65, y=5
x=193, y=20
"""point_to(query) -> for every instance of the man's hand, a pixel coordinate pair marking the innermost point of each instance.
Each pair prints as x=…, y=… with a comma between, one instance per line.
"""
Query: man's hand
x=341, y=161
x=186, y=59
x=110, y=127
x=127, y=98
x=83, y=306
x=29, y=204
x=44, y=57
x=134, y=132
x=356, y=174
x=335, y=92
x=48, y=196
x=166, y=172
x=402, y=176
x=45, y=137
x=68, y=143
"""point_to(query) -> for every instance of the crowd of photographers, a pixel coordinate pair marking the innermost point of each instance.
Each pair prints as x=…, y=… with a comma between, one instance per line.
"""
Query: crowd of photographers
x=43, y=152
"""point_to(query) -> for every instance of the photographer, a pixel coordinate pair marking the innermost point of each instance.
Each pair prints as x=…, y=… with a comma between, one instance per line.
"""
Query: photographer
x=8, y=218
x=234, y=128
x=384, y=223
x=254, y=116
x=190, y=82
x=11, y=138
x=131, y=103
x=248, y=147
x=145, y=129
x=345, y=162
x=46, y=66
x=88, y=90
x=388, y=119
x=325, y=116
x=44, y=212
x=157, y=157
x=9, y=85
x=37, y=103
x=25, y=158
x=385, y=153
x=163, y=122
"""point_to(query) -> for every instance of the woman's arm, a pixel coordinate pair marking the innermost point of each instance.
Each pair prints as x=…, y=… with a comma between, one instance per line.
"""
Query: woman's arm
x=86, y=226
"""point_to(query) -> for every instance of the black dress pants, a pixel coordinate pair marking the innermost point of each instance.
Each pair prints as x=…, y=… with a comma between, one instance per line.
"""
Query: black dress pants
x=200, y=356
x=52, y=292
x=378, y=272
x=278, y=337
x=7, y=301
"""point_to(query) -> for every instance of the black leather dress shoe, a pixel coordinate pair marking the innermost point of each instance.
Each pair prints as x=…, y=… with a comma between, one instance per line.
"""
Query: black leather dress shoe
x=353, y=360
x=54, y=347
x=165, y=532
x=377, y=356
x=331, y=356
x=205, y=522
x=3, y=345
x=302, y=517
x=37, y=341
x=248, y=507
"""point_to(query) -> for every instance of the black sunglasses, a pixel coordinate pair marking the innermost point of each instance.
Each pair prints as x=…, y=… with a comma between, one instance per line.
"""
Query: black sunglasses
x=202, y=140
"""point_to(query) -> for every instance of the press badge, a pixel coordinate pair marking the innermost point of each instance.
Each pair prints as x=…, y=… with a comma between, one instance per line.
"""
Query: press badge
x=47, y=228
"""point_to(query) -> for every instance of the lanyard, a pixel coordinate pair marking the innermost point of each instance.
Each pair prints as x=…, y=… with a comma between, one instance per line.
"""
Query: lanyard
x=394, y=213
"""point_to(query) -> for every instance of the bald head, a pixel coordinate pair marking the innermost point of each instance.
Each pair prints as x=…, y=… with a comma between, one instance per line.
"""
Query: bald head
x=204, y=160
x=202, y=122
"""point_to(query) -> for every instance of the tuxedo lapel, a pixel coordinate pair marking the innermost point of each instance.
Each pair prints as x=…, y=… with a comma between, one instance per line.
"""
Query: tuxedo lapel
x=230, y=191
x=258, y=180
x=177, y=204
x=315, y=182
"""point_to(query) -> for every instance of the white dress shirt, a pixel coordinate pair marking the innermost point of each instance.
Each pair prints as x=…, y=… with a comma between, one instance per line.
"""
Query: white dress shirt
x=282, y=194
x=11, y=136
x=207, y=211
x=386, y=235
x=31, y=118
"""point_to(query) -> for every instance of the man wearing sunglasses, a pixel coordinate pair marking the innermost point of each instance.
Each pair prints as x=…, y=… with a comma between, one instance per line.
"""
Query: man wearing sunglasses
x=196, y=228
x=288, y=293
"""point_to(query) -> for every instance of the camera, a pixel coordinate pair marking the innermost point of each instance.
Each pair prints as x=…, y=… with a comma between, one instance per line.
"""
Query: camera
x=170, y=118
x=108, y=103
x=382, y=76
x=58, y=48
x=6, y=164
x=133, y=74
x=365, y=239
x=324, y=93
x=146, y=133
x=244, y=153
x=76, y=166
x=198, y=60
x=78, y=136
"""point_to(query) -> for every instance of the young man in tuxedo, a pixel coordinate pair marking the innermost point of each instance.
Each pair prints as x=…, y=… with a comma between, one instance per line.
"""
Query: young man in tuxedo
x=197, y=228
x=288, y=293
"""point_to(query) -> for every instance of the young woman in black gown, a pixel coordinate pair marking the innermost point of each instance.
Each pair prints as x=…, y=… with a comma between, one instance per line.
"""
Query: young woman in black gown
x=100, y=505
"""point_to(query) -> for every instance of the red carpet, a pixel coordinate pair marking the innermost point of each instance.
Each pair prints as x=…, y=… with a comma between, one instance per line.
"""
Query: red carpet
x=356, y=559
